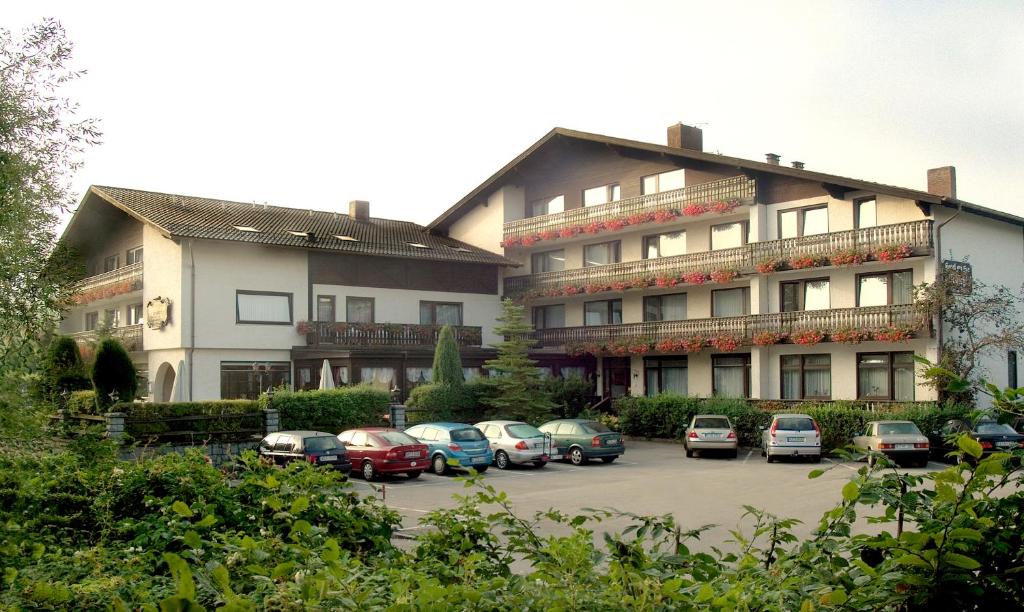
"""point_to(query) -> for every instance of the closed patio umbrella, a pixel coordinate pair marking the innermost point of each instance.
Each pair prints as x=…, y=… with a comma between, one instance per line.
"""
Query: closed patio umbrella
x=326, y=377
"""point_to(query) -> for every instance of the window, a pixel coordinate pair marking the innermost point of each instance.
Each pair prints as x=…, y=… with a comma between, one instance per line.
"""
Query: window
x=246, y=380
x=803, y=222
x=382, y=378
x=729, y=302
x=92, y=321
x=440, y=313
x=1011, y=369
x=264, y=307
x=111, y=317
x=325, y=308
x=665, y=181
x=546, y=206
x=110, y=263
x=601, y=195
x=415, y=377
x=601, y=253
x=885, y=376
x=866, y=213
x=548, y=261
x=885, y=288
x=665, y=307
x=806, y=376
x=134, y=256
x=136, y=316
x=730, y=375
x=545, y=317
x=810, y=294
x=604, y=312
x=359, y=309
x=728, y=235
x=665, y=245
x=665, y=375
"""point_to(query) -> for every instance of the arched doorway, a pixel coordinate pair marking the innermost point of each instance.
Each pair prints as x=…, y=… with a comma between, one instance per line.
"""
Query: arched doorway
x=163, y=383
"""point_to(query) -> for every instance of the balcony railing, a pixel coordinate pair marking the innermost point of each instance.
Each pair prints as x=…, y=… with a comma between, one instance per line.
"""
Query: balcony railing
x=129, y=273
x=739, y=188
x=386, y=334
x=744, y=328
x=129, y=335
x=917, y=234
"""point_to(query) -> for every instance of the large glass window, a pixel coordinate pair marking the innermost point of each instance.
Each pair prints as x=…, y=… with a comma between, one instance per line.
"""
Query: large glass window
x=665, y=375
x=545, y=317
x=325, y=308
x=415, y=377
x=133, y=256
x=885, y=376
x=867, y=215
x=548, y=261
x=665, y=181
x=729, y=302
x=136, y=316
x=546, y=206
x=665, y=245
x=601, y=254
x=359, y=309
x=665, y=307
x=810, y=294
x=110, y=263
x=601, y=195
x=728, y=235
x=246, y=380
x=730, y=375
x=440, y=313
x=803, y=222
x=885, y=288
x=604, y=312
x=269, y=308
x=806, y=376
x=382, y=378
x=92, y=321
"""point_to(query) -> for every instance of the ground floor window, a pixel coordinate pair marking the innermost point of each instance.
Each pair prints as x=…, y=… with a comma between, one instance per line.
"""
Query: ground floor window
x=247, y=379
x=383, y=378
x=730, y=375
x=665, y=375
x=806, y=376
x=415, y=377
x=885, y=376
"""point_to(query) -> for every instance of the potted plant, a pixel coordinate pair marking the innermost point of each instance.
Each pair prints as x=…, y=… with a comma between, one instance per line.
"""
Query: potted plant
x=807, y=337
x=768, y=338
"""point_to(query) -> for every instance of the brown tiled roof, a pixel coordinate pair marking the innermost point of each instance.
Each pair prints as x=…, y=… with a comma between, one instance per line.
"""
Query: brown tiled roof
x=193, y=217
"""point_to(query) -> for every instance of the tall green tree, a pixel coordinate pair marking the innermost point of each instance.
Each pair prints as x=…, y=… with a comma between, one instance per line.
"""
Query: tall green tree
x=518, y=387
x=63, y=370
x=447, y=361
x=40, y=146
x=113, y=375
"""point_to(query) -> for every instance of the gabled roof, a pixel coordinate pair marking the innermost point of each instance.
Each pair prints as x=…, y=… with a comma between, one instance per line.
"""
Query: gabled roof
x=851, y=184
x=181, y=216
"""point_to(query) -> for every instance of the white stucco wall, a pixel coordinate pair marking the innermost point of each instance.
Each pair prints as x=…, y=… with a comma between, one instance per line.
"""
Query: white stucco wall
x=162, y=277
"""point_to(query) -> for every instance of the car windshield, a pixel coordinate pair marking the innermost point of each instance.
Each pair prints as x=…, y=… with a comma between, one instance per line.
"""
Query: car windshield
x=712, y=423
x=994, y=428
x=471, y=434
x=522, y=430
x=888, y=429
x=320, y=443
x=396, y=438
x=794, y=424
x=592, y=427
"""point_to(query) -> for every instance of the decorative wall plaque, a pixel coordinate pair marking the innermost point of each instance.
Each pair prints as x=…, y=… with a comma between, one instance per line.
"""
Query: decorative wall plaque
x=158, y=312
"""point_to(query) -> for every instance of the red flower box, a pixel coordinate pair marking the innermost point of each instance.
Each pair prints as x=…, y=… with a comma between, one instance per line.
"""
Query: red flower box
x=568, y=232
x=669, y=345
x=548, y=235
x=847, y=257
x=770, y=265
x=799, y=262
x=768, y=338
x=807, y=337
x=666, y=281
x=529, y=240
x=570, y=290
x=722, y=207
x=664, y=216
x=621, y=285
x=595, y=288
x=724, y=276
x=893, y=334
x=895, y=252
x=693, y=344
x=593, y=228
x=614, y=225
x=509, y=243
x=850, y=336
x=639, y=347
x=694, y=210
x=640, y=282
x=695, y=278
x=725, y=342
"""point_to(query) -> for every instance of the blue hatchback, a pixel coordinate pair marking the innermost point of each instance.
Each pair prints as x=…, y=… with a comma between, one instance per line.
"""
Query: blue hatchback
x=456, y=444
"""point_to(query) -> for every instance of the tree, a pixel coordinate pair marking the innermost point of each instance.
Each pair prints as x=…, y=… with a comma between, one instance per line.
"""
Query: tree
x=113, y=374
x=63, y=371
x=40, y=145
x=518, y=388
x=447, y=361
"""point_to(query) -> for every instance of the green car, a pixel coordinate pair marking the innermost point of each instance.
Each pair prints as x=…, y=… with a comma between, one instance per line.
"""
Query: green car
x=585, y=440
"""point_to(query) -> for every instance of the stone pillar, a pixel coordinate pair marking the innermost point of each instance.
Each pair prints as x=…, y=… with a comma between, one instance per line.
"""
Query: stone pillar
x=115, y=424
x=271, y=421
x=397, y=416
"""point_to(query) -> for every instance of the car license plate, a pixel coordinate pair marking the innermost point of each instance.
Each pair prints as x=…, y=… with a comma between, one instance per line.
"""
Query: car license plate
x=479, y=459
x=412, y=454
x=712, y=436
x=1006, y=444
x=611, y=442
x=329, y=458
x=554, y=457
x=904, y=446
x=792, y=439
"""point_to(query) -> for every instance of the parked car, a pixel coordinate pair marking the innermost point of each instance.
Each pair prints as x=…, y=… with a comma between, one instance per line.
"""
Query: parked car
x=518, y=442
x=900, y=441
x=316, y=447
x=585, y=439
x=460, y=443
x=992, y=435
x=791, y=435
x=710, y=432
x=378, y=451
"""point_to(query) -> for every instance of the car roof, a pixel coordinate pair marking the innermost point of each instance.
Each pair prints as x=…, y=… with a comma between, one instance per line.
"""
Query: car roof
x=788, y=415
x=302, y=433
x=892, y=422
x=707, y=416
x=501, y=423
x=446, y=425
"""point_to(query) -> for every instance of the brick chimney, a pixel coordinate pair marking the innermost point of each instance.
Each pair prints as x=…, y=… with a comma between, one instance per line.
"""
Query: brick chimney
x=359, y=210
x=685, y=137
x=772, y=158
x=942, y=181
x=799, y=165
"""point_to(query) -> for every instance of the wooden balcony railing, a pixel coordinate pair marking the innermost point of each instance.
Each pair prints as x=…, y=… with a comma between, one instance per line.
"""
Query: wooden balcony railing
x=129, y=273
x=129, y=335
x=745, y=327
x=739, y=188
x=384, y=334
x=917, y=234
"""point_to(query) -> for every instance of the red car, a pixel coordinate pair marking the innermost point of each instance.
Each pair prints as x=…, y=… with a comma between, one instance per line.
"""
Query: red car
x=378, y=450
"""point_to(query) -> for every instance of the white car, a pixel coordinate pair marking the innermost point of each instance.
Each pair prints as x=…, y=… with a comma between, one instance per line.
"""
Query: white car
x=900, y=441
x=518, y=442
x=791, y=435
x=710, y=432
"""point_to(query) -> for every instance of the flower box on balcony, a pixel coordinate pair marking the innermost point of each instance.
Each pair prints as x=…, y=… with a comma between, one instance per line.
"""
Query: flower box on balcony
x=894, y=252
x=807, y=337
x=893, y=334
x=724, y=276
x=726, y=343
x=850, y=336
x=768, y=338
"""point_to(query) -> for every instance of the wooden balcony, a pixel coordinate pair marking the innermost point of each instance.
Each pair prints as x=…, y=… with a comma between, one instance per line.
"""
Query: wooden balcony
x=744, y=328
x=917, y=234
x=121, y=281
x=129, y=335
x=385, y=335
x=737, y=188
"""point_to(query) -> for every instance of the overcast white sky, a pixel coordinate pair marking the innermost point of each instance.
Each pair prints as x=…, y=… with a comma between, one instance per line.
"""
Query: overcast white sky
x=411, y=105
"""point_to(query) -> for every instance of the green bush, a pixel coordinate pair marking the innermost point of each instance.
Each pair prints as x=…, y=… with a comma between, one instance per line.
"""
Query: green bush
x=113, y=374
x=63, y=372
x=439, y=402
x=571, y=395
x=331, y=410
x=237, y=419
x=82, y=402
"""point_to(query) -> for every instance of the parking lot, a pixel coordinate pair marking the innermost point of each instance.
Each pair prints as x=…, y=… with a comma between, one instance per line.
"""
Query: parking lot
x=652, y=478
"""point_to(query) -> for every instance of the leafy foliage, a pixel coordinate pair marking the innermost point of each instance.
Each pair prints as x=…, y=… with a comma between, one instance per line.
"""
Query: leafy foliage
x=168, y=421
x=447, y=362
x=113, y=374
x=518, y=389
x=571, y=395
x=331, y=410
x=82, y=402
x=63, y=371
x=439, y=402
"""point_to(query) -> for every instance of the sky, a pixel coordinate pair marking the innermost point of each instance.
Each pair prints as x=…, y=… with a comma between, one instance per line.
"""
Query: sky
x=411, y=105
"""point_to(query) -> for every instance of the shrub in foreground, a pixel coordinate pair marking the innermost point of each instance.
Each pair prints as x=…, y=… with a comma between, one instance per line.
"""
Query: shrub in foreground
x=332, y=410
x=113, y=375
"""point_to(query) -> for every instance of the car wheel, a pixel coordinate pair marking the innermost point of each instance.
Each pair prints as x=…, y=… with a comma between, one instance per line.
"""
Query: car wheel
x=368, y=472
x=769, y=458
x=735, y=453
x=481, y=469
x=609, y=459
x=689, y=453
x=439, y=464
x=413, y=474
x=539, y=464
x=501, y=460
x=576, y=456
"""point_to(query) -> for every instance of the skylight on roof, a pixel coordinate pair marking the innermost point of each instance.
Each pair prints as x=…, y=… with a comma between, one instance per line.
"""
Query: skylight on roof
x=418, y=245
x=246, y=228
x=297, y=233
x=346, y=238
x=460, y=249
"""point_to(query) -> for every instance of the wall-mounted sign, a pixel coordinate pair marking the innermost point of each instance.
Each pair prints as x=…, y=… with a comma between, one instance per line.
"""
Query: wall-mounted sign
x=959, y=275
x=158, y=312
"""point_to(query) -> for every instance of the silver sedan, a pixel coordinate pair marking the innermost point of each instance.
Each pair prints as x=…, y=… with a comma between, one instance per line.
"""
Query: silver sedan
x=518, y=442
x=900, y=441
x=710, y=432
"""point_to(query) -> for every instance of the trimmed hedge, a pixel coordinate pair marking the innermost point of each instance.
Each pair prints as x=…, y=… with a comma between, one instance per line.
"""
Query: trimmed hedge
x=170, y=420
x=437, y=402
x=82, y=402
x=331, y=410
